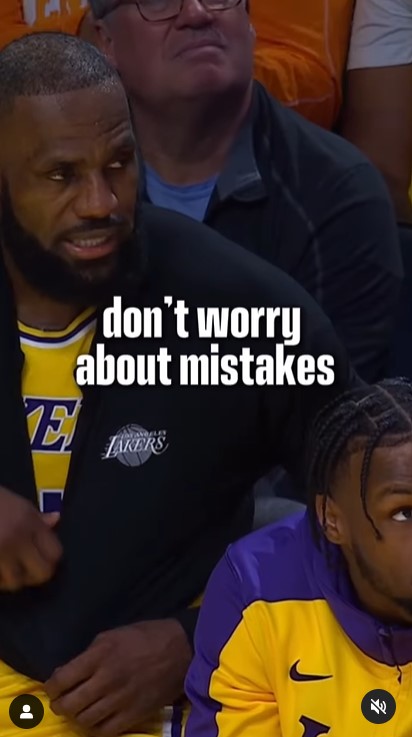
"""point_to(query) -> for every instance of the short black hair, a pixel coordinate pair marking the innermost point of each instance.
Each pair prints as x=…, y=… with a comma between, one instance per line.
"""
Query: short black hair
x=51, y=63
x=364, y=418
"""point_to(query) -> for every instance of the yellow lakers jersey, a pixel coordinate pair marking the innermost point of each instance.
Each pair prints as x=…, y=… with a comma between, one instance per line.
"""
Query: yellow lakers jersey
x=52, y=401
x=283, y=649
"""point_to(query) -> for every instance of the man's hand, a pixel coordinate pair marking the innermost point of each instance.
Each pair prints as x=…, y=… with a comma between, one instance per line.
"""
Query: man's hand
x=29, y=549
x=122, y=678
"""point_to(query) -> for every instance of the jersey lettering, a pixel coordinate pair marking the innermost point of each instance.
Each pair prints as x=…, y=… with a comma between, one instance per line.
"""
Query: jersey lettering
x=50, y=500
x=50, y=433
x=36, y=11
x=312, y=728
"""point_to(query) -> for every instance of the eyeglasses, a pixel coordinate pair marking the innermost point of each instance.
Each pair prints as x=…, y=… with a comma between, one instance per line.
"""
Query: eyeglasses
x=154, y=11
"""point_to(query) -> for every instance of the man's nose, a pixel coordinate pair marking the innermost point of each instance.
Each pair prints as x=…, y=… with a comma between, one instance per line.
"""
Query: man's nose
x=193, y=13
x=95, y=199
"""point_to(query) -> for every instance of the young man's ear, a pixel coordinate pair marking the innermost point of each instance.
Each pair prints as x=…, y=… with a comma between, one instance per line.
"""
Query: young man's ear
x=330, y=519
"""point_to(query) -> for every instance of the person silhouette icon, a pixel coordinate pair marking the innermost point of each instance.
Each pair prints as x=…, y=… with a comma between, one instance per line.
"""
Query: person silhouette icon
x=26, y=711
x=26, y=714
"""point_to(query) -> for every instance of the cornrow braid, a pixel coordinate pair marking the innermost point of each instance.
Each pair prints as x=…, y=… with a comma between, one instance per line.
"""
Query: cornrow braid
x=364, y=418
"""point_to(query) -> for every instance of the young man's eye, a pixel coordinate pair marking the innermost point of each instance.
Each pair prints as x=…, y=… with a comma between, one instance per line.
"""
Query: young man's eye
x=403, y=515
x=119, y=164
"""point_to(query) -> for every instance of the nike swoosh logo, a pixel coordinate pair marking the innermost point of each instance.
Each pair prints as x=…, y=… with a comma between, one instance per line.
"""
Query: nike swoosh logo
x=296, y=676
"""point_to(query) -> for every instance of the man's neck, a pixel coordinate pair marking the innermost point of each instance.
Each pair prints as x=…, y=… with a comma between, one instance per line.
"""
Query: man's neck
x=189, y=144
x=36, y=310
x=380, y=606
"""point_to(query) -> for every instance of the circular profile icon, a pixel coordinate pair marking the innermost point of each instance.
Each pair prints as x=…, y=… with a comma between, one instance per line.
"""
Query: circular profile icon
x=378, y=706
x=26, y=711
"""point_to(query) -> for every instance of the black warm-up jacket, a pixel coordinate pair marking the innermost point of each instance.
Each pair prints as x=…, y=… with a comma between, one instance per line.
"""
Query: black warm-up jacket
x=141, y=533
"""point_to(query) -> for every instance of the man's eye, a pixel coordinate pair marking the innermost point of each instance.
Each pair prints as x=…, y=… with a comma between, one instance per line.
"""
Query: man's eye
x=120, y=163
x=60, y=175
x=404, y=515
x=56, y=176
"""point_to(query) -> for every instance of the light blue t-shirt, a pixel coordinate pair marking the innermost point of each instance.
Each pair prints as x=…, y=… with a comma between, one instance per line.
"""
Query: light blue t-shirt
x=191, y=200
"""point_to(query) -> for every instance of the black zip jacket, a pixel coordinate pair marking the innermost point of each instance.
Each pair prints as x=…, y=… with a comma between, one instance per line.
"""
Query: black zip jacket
x=309, y=202
x=141, y=534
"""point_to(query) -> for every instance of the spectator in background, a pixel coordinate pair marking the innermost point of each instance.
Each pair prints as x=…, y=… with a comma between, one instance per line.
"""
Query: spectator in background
x=377, y=113
x=219, y=148
x=300, y=54
x=300, y=51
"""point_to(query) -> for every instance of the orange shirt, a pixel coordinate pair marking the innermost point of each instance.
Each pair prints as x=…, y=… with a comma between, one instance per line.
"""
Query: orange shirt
x=18, y=17
x=301, y=53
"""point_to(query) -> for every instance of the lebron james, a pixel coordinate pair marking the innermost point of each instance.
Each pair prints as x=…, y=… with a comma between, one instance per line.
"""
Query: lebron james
x=103, y=558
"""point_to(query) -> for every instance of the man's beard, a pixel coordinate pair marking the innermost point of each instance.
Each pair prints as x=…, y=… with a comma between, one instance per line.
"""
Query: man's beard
x=82, y=283
x=374, y=579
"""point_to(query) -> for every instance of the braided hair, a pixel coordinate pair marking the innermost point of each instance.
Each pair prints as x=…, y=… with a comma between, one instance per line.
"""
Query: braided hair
x=364, y=418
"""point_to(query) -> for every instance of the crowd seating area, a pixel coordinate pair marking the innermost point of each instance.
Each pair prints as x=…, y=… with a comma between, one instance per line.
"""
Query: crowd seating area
x=300, y=56
x=300, y=52
x=324, y=212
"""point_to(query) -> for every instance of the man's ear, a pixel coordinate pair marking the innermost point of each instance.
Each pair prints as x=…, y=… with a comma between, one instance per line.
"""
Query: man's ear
x=330, y=519
x=105, y=41
x=95, y=32
x=87, y=29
